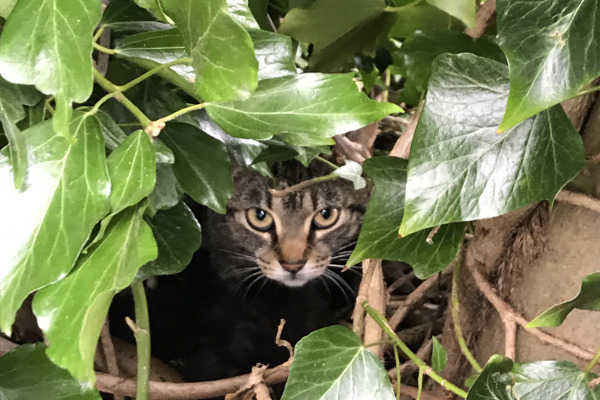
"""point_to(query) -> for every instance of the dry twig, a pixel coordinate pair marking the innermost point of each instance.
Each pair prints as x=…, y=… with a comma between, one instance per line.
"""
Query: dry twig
x=414, y=299
x=579, y=199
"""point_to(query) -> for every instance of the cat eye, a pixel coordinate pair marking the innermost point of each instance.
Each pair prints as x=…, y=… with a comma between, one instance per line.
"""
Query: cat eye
x=326, y=218
x=259, y=219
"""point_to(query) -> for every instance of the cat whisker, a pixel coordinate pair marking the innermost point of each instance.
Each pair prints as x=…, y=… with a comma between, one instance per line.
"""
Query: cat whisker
x=250, y=277
x=245, y=256
x=341, y=284
x=348, y=245
x=322, y=279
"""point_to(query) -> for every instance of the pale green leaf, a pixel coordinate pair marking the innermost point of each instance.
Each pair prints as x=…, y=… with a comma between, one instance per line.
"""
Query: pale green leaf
x=332, y=364
x=313, y=103
x=553, y=51
x=132, y=171
x=463, y=10
x=6, y=7
x=26, y=373
x=71, y=312
x=58, y=37
x=422, y=16
x=155, y=6
x=439, y=356
x=113, y=134
x=240, y=11
x=461, y=169
x=275, y=54
x=221, y=49
x=44, y=225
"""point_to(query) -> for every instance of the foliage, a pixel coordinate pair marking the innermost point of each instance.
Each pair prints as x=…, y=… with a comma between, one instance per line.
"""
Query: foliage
x=92, y=175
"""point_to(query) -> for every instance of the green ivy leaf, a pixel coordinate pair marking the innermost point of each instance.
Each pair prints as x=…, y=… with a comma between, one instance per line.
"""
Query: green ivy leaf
x=332, y=364
x=463, y=10
x=357, y=25
x=495, y=381
x=460, y=168
x=132, y=171
x=552, y=49
x=422, y=16
x=240, y=11
x=320, y=104
x=167, y=191
x=275, y=153
x=155, y=6
x=12, y=98
x=588, y=298
x=420, y=49
x=65, y=194
x=275, y=54
x=113, y=134
x=221, y=49
x=439, y=356
x=201, y=166
x=28, y=374
x=178, y=236
x=553, y=380
x=6, y=7
x=57, y=61
x=72, y=311
x=379, y=234
x=125, y=15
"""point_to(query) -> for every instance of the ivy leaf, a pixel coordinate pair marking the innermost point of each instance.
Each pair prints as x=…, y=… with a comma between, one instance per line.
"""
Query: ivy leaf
x=460, y=169
x=553, y=380
x=439, y=356
x=588, y=298
x=113, y=134
x=167, y=191
x=28, y=374
x=553, y=52
x=125, y=15
x=422, y=16
x=352, y=171
x=201, y=166
x=65, y=194
x=463, y=10
x=346, y=370
x=495, y=381
x=72, y=311
x=12, y=98
x=357, y=25
x=6, y=7
x=275, y=153
x=132, y=170
x=178, y=236
x=312, y=103
x=57, y=61
x=420, y=49
x=275, y=54
x=221, y=49
x=155, y=6
x=240, y=11
x=379, y=233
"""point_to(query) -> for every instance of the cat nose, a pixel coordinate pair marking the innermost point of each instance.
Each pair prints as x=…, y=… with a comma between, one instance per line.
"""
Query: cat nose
x=292, y=266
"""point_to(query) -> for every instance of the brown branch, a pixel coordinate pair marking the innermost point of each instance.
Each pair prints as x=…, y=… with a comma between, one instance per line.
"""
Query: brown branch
x=358, y=315
x=484, y=15
x=402, y=145
x=579, y=199
x=594, y=382
x=507, y=313
x=376, y=297
x=401, y=281
x=414, y=299
x=109, y=354
x=425, y=395
x=6, y=345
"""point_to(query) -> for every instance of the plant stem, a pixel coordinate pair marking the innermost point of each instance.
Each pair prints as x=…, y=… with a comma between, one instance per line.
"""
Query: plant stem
x=302, y=185
x=142, y=338
x=588, y=90
x=153, y=71
x=323, y=160
x=398, y=372
x=98, y=33
x=116, y=93
x=180, y=112
x=592, y=364
x=402, y=8
x=104, y=49
x=419, y=385
x=456, y=317
x=380, y=319
x=388, y=80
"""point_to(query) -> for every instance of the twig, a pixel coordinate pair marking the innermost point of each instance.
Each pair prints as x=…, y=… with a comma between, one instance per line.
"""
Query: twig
x=402, y=145
x=592, y=364
x=284, y=343
x=510, y=338
x=189, y=390
x=142, y=337
x=400, y=281
x=358, y=315
x=579, y=199
x=376, y=297
x=507, y=312
x=594, y=382
x=302, y=185
x=482, y=19
x=109, y=353
x=414, y=299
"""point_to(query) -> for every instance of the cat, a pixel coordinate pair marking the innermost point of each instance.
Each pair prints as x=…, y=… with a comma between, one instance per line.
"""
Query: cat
x=268, y=257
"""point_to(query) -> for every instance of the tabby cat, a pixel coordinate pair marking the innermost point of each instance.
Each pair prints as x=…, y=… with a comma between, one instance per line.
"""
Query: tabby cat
x=269, y=257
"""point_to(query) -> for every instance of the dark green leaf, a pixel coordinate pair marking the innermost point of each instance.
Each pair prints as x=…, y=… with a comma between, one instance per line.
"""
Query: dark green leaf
x=588, y=298
x=167, y=192
x=276, y=153
x=240, y=11
x=221, y=49
x=132, y=171
x=332, y=364
x=72, y=311
x=439, y=356
x=201, y=166
x=113, y=134
x=309, y=103
x=556, y=380
x=155, y=6
x=495, y=381
x=275, y=54
x=161, y=100
x=178, y=236
x=164, y=155
x=125, y=15
x=65, y=194
x=352, y=171
x=552, y=49
x=463, y=10
x=58, y=60
x=461, y=170
x=421, y=16
x=379, y=234
x=420, y=49
x=357, y=25
x=26, y=373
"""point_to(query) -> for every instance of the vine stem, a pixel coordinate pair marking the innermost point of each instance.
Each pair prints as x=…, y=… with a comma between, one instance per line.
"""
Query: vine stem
x=141, y=330
x=398, y=372
x=588, y=90
x=104, y=49
x=402, y=8
x=419, y=385
x=180, y=112
x=592, y=364
x=323, y=160
x=456, y=315
x=302, y=185
x=413, y=357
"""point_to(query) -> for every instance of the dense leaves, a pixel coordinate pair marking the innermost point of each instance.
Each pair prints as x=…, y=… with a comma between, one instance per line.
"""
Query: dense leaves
x=346, y=370
x=553, y=51
x=494, y=382
x=26, y=373
x=45, y=224
x=461, y=169
x=58, y=60
x=588, y=298
x=379, y=234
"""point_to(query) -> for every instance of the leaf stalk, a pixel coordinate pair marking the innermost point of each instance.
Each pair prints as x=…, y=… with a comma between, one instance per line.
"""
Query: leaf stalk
x=142, y=338
x=592, y=364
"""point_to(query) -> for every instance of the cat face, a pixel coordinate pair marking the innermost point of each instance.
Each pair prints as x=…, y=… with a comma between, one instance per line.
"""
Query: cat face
x=292, y=238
